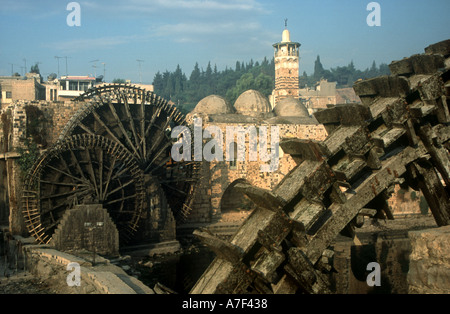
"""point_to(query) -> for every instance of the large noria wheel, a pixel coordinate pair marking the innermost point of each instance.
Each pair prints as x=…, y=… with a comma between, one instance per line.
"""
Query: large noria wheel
x=141, y=121
x=84, y=169
x=114, y=151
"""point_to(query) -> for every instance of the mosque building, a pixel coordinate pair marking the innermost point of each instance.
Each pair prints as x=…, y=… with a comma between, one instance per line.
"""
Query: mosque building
x=285, y=109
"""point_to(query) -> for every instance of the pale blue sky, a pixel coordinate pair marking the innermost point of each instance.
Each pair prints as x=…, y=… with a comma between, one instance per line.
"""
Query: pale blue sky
x=165, y=33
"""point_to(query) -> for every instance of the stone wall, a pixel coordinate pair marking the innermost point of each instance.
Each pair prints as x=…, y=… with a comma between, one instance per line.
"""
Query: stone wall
x=15, y=187
x=87, y=227
x=57, y=115
x=201, y=204
x=350, y=263
x=19, y=119
x=429, y=265
x=4, y=200
x=221, y=174
x=27, y=90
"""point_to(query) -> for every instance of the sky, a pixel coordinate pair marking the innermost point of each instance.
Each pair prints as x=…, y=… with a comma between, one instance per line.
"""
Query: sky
x=167, y=33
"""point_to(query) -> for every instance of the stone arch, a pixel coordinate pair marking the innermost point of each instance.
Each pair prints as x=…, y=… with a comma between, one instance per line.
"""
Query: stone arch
x=235, y=201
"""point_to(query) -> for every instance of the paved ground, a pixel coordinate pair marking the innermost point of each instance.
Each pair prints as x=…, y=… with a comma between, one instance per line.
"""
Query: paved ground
x=23, y=283
x=14, y=279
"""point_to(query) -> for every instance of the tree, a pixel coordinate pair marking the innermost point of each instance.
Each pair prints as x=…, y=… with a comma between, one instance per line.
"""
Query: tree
x=245, y=82
x=194, y=79
x=119, y=81
x=168, y=85
x=384, y=69
x=179, y=81
x=318, y=69
x=209, y=84
x=264, y=84
x=158, y=83
x=35, y=69
x=28, y=156
x=373, y=69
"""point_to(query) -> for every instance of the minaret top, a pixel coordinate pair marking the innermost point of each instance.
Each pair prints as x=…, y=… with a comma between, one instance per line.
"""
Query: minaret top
x=286, y=36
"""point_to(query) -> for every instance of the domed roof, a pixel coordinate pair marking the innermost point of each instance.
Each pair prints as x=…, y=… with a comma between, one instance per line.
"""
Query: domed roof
x=252, y=102
x=290, y=107
x=213, y=104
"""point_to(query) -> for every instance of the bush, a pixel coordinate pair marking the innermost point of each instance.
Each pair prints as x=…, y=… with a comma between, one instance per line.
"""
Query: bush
x=28, y=156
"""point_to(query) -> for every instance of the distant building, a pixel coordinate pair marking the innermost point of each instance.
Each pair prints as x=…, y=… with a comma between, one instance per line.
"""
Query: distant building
x=31, y=87
x=216, y=195
x=286, y=69
x=287, y=81
x=289, y=109
x=323, y=94
x=26, y=87
x=74, y=86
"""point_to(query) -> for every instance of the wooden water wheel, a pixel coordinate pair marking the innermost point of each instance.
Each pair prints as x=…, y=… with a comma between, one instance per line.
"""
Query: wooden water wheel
x=114, y=151
x=84, y=169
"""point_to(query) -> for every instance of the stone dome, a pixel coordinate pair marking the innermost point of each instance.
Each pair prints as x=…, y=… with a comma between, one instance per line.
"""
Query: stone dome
x=213, y=104
x=252, y=103
x=290, y=107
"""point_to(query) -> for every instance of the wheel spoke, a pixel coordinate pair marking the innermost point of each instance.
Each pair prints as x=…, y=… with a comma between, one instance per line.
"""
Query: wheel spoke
x=133, y=129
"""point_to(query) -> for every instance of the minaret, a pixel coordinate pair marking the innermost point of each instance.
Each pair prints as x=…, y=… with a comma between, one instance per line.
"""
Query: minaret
x=286, y=68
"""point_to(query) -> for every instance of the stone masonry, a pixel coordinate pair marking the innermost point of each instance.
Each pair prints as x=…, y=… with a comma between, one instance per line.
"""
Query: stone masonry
x=87, y=227
x=429, y=266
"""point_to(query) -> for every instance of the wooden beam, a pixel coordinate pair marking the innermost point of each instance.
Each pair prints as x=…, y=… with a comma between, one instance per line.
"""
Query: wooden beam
x=435, y=193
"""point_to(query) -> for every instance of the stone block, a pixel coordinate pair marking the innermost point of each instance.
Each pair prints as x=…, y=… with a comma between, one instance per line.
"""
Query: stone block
x=429, y=266
x=442, y=48
x=86, y=227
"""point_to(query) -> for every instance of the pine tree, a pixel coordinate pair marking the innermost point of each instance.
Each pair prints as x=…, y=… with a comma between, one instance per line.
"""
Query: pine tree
x=158, y=83
x=238, y=66
x=318, y=69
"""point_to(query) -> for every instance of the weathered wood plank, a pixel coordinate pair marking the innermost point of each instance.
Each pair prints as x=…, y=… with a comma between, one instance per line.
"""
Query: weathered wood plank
x=436, y=195
x=372, y=186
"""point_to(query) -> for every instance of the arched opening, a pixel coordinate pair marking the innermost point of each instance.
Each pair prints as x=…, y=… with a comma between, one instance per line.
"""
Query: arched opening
x=234, y=205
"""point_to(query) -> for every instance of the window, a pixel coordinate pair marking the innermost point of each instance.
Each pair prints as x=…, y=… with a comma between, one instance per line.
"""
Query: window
x=73, y=85
x=233, y=148
x=84, y=86
x=53, y=94
x=9, y=95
